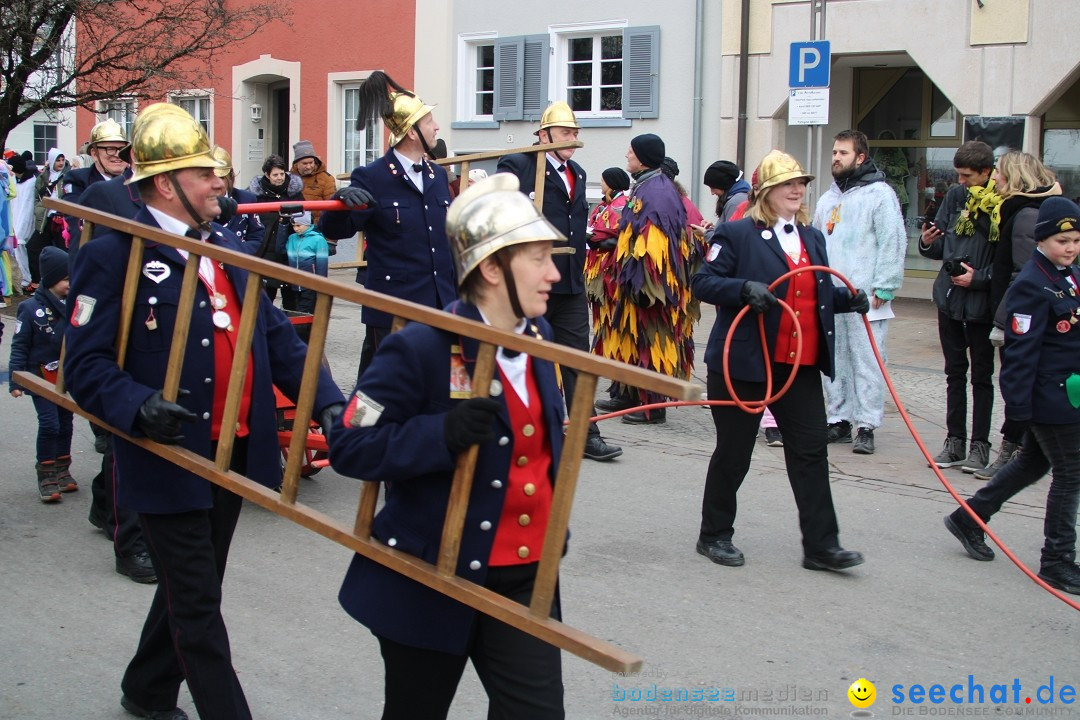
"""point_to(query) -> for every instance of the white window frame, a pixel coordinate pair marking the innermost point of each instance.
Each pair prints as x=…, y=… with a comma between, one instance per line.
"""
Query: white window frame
x=466, y=75
x=104, y=112
x=336, y=159
x=196, y=95
x=561, y=35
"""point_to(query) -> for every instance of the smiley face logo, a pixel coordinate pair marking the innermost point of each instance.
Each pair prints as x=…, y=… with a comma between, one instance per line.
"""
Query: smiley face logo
x=862, y=693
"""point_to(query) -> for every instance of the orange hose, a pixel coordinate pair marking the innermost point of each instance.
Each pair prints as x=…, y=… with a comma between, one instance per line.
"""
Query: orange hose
x=758, y=406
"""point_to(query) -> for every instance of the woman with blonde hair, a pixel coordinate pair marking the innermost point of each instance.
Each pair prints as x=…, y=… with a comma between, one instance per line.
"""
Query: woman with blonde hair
x=1025, y=183
x=745, y=257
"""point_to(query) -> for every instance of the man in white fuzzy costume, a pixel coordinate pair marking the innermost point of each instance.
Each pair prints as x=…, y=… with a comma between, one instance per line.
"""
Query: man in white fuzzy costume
x=864, y=230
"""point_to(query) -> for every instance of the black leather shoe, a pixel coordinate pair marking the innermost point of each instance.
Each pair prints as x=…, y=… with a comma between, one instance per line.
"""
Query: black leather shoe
x=597, y=449
x=615, y=404
x=646, y=417
x=1063, y=576
x=721, y=552
x=96, y=518
x=174, y=714
x=138, y=567
x=972, y=538
x=836, y=558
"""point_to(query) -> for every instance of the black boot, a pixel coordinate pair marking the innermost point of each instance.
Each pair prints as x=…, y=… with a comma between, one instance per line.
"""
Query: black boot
x=48, y=487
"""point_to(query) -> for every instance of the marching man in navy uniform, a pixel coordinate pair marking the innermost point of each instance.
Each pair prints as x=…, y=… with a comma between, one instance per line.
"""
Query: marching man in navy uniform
x=187, y=521
x=400, y=202
x=1040, y=383
x=567, y=209
x=409, y=418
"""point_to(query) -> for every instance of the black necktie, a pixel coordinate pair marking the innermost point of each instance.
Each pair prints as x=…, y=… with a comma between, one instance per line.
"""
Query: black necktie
x=562, y=168
x=789, y=228
x=510, y=354
x=418, y=167
x=193, y=234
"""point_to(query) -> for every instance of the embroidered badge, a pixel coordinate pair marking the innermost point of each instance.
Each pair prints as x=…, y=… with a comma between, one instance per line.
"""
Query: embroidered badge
x=83, y=310
x=714, y=252
x=156, y=270
x=363, y=411
x=18, y=326
x=1063, y=326
x=460, y=382
x=1021, y=323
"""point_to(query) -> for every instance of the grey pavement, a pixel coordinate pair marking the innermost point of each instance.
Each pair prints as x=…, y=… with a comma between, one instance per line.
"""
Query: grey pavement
x=769, y=639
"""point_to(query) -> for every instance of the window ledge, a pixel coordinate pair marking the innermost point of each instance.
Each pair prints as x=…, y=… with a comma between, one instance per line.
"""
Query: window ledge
x=604, y=122
x=475, y=125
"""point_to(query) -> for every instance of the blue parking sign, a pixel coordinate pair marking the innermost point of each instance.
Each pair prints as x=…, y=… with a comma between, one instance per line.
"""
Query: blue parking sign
x=809, y=64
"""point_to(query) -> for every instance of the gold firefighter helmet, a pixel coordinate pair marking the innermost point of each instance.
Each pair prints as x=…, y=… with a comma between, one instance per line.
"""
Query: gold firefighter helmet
x=107, y=130
x=165, y=138
x=778, y=167
x=490, y=215
x=558, y=114
x=223, y=155
x=408, y=110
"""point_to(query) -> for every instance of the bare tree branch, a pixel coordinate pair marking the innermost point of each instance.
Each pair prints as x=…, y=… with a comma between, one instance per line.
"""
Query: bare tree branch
x=62, y=54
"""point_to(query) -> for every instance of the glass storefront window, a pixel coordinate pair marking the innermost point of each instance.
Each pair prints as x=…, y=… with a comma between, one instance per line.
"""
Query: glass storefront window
x=1061, y=153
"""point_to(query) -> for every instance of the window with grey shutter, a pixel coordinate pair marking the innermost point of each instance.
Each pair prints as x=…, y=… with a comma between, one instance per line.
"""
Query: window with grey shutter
x=535, y=88
x=641, y=72
x=509, y=78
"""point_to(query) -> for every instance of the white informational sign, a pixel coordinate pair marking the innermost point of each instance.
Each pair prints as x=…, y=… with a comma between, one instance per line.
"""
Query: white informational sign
x=256, y=151
x=808, y=106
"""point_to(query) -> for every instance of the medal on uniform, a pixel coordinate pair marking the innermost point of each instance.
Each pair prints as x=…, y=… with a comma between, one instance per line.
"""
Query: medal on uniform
x=221, y=319
x=219, y=301
x=156, y=270
x=1063, y=326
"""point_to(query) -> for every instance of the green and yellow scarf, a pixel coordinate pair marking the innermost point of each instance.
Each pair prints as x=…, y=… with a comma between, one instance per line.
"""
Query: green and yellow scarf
x=980, y=199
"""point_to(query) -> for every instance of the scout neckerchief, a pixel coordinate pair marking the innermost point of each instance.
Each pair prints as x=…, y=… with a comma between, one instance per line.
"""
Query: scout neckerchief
x=980, y=199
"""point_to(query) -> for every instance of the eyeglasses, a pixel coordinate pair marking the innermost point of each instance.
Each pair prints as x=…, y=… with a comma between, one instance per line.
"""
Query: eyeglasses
x=110, y=150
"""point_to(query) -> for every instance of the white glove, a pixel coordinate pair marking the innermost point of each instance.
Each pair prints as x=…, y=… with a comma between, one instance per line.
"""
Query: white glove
x=997, y=337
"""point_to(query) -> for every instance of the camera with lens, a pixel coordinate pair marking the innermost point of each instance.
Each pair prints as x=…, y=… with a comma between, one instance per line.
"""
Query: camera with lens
x=954, y=266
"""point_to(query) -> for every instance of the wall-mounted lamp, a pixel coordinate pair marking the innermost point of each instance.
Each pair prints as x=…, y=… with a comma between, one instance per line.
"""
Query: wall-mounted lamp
x=256, y=113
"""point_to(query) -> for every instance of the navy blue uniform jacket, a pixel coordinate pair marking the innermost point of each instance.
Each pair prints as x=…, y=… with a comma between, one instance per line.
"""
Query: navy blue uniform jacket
x=743, y=254
x=408, y=254
x=111, y=196
x=146, y=482
x=1037, y=361
x=406, y=448
x=39, y=332
x=248, y=228
x=570, y=216
x=75, y=183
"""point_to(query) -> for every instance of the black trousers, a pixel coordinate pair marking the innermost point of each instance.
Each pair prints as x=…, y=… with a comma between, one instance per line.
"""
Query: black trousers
x=184, y=637
x=569, y=319
x=1045, y=448
x=120, y=524
x=373, y=335
x=521, y=674
x=959, y=340
x=800, y=415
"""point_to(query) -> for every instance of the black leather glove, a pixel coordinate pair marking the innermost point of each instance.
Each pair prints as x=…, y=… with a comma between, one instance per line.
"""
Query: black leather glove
x=859, y=303
x=329, y=416
x=161, y=420
x=354, y=197
x=607, y=244
x=758, y=296
x=469, y=423
x=228, y=209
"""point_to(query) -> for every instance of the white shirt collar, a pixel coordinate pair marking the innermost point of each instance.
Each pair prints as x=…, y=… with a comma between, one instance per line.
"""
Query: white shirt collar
x=170, y=224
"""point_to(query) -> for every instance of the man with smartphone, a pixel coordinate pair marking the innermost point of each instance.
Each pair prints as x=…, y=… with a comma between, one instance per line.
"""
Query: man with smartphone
x=963, y=236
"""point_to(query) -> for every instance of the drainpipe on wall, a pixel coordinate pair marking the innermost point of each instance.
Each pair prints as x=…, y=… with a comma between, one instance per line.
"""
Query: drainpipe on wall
x=695, y=150
x=744, y=55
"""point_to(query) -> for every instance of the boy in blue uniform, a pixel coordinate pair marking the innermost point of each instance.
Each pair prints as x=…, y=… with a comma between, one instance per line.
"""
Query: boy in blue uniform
x=39, y=333
x=188, y=522
x=1041, y=385
x=410, y=416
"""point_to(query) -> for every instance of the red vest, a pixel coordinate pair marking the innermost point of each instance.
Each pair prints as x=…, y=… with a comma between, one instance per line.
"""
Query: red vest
x=519, y=537
x=802, y=297
x=224, y=351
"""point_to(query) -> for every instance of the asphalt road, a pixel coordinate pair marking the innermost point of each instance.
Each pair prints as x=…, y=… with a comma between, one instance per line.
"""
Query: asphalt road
x=769, y=639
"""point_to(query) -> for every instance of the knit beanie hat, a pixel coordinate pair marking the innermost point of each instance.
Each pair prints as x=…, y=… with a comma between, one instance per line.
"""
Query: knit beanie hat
x=722, y=174
x=17, y=163
x=303, y=149
x=1056, y=215
x=670, y=168
x=649, y=150
x=54, y=265
x=616, y=179
x=303, y=218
